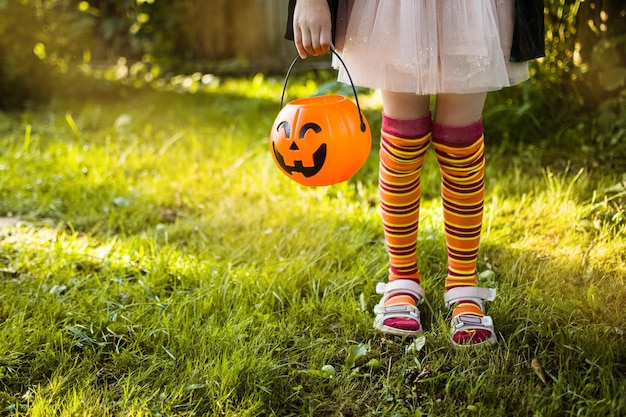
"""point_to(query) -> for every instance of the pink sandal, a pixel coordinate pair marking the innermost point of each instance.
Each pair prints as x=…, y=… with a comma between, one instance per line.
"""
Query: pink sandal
x=469, y=323
x=399, y=320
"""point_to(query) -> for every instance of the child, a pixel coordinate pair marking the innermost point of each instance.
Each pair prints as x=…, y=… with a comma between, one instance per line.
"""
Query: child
x=457, y=50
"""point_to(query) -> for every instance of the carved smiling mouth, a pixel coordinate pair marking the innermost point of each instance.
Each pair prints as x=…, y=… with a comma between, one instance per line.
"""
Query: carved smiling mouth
x=319, y=157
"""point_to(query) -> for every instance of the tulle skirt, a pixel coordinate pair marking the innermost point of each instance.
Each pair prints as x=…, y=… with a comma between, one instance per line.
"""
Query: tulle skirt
x=428, y=46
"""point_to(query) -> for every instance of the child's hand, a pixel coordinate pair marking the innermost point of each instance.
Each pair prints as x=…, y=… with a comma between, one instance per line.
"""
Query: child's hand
x=312, y=27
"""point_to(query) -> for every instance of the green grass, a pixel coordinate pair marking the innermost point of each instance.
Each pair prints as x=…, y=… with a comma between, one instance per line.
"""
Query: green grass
x=154, y=262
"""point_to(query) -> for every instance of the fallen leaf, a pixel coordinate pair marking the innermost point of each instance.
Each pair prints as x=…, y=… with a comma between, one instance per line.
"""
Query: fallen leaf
x=536, y=366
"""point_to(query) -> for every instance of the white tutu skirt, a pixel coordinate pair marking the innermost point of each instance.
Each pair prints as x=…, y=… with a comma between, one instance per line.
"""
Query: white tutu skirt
x=428, y=46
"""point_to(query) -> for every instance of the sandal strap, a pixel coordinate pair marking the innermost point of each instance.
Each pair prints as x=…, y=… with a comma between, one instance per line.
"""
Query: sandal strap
x=403, y=310
x=475, y=294
x=470, y=322
x=407, y=286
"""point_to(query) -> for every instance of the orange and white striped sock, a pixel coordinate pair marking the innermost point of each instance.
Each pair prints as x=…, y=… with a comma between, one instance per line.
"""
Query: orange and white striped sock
x=402, y=151
x=460, y=152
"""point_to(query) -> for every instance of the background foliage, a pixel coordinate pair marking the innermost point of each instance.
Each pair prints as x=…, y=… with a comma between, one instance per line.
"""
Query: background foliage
x=584, y=71
x=39, y=40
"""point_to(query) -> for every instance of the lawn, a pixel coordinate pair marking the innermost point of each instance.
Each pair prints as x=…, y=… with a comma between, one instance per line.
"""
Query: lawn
x=155, y=262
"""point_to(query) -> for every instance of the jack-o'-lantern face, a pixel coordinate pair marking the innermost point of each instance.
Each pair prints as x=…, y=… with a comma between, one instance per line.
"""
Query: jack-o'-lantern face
x=304, y=150
x=316, y=141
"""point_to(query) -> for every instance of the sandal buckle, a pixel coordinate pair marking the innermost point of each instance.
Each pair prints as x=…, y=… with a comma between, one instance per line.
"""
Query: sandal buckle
x=470, y=319
x=464, y=319
x=407, y=309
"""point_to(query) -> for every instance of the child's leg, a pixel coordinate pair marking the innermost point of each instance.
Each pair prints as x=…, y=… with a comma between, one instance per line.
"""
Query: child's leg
x=404, y=141
x=459, y=145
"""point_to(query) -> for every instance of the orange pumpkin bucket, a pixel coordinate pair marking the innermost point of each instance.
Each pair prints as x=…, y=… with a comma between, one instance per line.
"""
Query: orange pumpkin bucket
x=320, y=140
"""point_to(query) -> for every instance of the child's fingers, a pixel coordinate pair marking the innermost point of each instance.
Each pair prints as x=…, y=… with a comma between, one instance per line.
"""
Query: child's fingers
x=318, y=41
x=312, y=40
x=326, y=41
x=312, y=28
x=300, y=43
x=316, y=45
x=308, y=43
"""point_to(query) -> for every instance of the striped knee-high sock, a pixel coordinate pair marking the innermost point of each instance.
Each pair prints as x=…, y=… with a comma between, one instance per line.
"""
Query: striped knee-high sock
x=402, y=150
x=460, y=153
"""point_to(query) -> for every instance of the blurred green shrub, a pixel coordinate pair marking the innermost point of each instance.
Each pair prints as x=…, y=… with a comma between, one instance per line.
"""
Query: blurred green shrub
x=48, y=46
x=135, y=28
x=39, y=41
x=586, y=50
x=574, y=106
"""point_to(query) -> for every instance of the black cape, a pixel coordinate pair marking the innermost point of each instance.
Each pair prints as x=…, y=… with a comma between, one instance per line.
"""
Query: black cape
x=528, y=33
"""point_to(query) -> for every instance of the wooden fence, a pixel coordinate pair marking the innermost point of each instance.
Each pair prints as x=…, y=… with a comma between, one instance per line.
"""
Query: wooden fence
x=239, y=35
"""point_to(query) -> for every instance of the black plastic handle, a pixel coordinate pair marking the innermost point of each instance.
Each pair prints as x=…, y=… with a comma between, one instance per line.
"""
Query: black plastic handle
x=356, y=97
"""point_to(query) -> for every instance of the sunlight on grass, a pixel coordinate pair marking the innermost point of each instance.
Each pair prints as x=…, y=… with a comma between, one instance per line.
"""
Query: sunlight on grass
x=153, y=261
